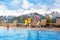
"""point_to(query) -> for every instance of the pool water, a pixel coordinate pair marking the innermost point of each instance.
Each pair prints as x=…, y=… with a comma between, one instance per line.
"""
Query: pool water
x=21, y=34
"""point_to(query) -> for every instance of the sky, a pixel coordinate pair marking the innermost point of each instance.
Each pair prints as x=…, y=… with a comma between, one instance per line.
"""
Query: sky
x=20, y=7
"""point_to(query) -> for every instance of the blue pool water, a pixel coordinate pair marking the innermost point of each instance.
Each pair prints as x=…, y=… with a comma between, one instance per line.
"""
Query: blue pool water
x=20, y=34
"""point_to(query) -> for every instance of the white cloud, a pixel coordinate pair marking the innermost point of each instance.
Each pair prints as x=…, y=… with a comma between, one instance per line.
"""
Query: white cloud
x=4, y=11
x=39, y=8
x=57, y=1
x=56, y=10
x=26, y=4
x=56, y=4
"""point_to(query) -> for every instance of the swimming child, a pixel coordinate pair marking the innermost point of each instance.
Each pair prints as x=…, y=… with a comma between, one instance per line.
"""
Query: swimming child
x=8, y=27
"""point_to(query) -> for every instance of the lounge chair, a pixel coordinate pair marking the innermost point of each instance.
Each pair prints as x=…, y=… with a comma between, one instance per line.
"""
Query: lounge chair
x=57, y=24
x=3, y=23
x=43, y=22
x=20, y=24
x=13, y=24
x=34, y=23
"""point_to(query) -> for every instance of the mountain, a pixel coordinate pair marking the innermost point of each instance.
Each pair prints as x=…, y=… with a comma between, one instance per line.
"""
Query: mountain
x=32, y=15
x=55, y=14
x=21, y=18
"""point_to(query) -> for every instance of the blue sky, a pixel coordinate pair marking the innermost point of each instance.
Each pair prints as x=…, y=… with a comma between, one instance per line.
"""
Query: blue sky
x=27, y=5
x=35, y=2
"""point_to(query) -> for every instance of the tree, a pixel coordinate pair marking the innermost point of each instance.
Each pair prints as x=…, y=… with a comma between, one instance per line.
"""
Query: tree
x=48, y=20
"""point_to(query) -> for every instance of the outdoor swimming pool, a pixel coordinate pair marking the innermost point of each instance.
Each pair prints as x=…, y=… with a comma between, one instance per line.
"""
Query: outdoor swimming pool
x=19, y=34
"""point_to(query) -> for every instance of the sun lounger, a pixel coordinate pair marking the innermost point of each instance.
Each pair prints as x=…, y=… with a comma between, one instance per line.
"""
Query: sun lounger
x=13, y=24
x=20, y=25
x=34, y=23
x=57, y=24
x=43, y=22
x=3, y=23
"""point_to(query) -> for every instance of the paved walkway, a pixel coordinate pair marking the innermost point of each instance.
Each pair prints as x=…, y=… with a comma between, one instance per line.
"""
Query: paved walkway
x=38, y=28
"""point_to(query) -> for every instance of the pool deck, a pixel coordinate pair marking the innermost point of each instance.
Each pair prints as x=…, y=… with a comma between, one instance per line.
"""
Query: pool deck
x=35, y=28
x=50, y=29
